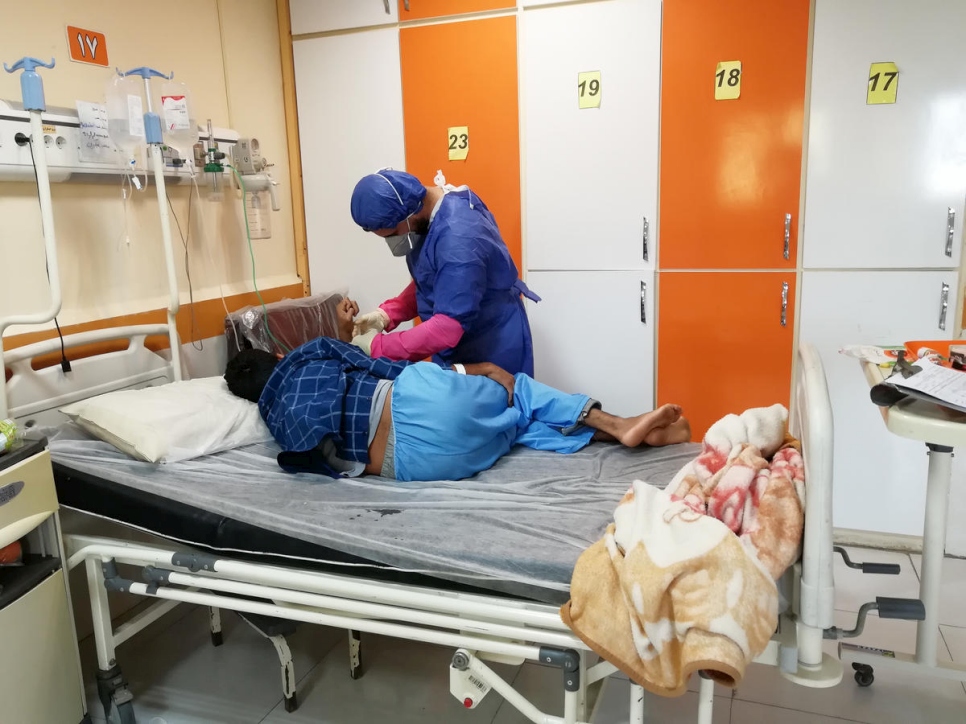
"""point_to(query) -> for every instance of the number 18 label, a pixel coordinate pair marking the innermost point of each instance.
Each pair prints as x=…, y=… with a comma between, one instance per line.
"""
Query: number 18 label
x=883, y=84
x=727, y=80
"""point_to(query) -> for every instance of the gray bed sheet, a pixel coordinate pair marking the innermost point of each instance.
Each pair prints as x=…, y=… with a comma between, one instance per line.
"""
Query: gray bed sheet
x=517, y=528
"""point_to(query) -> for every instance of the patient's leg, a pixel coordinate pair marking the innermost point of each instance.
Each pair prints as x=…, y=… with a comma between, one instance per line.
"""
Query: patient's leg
x=663, y=426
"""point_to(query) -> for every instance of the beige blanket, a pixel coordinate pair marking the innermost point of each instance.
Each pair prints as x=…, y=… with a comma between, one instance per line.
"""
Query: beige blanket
x=671, y=589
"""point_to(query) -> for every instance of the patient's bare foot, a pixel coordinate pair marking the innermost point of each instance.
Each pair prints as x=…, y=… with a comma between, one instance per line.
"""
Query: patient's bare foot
x=638, y=428
x=677, y=432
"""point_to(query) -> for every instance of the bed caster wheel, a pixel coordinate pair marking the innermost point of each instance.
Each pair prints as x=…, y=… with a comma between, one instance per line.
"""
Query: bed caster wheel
x=291, y=703
x=125, y=713
x=863, y=674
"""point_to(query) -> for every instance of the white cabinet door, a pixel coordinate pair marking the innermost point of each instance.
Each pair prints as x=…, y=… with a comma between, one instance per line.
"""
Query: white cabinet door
x=591, y=174
x=350, y=124
x=882, y=177
x=317, y=16
x=589, y=337
x=879, y=478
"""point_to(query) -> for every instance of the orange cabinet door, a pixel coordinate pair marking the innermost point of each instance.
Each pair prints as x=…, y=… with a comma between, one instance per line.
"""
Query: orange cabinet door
x=721, y=345
x=465, y=74
x=418, y=9
x=731, y=169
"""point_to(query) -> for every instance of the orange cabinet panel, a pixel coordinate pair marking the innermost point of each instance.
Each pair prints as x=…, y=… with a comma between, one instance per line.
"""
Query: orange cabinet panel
x=731, y=169
x=465, y=74
x=418, y=9
x=721, y=345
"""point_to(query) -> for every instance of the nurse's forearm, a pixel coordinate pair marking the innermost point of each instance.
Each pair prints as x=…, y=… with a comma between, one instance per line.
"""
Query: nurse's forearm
x=402, y=308
x=437, y=333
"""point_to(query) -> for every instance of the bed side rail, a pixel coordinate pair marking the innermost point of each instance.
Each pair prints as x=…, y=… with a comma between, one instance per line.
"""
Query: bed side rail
x=34, y=396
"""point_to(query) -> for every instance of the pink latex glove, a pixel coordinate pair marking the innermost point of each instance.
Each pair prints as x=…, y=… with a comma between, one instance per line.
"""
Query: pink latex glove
x=437, y=333
x=402, y=308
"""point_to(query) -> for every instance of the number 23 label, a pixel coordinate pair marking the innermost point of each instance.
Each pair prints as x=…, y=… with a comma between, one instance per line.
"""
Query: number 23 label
x=458, y=138
x=727, y=80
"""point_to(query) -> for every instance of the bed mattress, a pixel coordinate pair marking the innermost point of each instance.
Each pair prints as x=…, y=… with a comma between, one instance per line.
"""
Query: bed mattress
x=516, y=529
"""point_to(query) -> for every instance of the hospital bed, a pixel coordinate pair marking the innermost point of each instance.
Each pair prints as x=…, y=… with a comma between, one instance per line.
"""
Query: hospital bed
x=479, y=567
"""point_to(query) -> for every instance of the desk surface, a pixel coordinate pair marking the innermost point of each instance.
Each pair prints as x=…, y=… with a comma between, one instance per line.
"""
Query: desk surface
x=919, y=420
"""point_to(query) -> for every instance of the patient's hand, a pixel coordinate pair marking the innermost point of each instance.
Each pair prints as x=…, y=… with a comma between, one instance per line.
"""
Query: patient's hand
x=346, y=314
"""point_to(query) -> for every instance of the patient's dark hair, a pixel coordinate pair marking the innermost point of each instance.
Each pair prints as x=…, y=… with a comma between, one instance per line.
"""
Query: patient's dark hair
x=248, y=371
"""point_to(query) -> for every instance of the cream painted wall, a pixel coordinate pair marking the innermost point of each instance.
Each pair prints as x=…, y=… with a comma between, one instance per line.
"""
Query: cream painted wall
x=227, y=51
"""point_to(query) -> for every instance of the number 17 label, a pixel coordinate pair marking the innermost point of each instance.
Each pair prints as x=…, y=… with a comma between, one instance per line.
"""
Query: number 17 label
x=883, y=84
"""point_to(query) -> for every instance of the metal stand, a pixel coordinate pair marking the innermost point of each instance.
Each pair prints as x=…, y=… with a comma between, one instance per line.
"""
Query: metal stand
x=933, y=550
x=355, y=654
x=112, y=688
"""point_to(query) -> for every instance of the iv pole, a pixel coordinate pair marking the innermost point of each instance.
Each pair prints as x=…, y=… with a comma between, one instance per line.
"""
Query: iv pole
x=32, y=89
x=152, y=132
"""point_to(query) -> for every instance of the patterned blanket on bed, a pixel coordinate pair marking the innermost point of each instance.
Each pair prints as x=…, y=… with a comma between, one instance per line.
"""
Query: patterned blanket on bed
x=684, y=579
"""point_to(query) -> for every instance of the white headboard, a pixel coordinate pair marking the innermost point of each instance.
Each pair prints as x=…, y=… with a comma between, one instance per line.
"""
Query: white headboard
x=34, y=396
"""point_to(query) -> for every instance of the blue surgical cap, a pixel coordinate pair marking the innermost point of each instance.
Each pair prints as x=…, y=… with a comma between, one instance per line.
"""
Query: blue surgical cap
x=376, y=206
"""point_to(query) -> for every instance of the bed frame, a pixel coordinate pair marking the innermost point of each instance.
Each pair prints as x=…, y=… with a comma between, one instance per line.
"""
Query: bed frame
x=479, y=628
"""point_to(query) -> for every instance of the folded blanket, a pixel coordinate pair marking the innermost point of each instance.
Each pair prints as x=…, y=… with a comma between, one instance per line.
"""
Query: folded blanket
x=760, y=500
x=672, y=589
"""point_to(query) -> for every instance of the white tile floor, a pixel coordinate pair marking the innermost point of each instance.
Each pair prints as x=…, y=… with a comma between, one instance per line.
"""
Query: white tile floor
x=177, y=677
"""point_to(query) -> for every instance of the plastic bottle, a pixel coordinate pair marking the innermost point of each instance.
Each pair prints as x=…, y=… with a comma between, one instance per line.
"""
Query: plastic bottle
x=9, y=434
x=178, y=122
x=125, y=115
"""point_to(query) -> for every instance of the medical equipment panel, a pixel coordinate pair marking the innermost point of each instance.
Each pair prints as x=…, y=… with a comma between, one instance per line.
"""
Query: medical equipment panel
x=74, y=148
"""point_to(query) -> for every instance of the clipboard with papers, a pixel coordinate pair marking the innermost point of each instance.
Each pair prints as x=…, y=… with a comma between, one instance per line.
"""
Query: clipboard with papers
x=925, y=380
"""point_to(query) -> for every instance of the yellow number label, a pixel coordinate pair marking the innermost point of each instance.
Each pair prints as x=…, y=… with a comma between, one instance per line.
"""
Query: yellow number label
x=883, y=84
x=588, y=89
x=727, y=80
x=459, y=142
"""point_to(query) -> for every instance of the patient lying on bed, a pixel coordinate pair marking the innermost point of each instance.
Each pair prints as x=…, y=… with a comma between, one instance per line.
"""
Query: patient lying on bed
x=337, y=411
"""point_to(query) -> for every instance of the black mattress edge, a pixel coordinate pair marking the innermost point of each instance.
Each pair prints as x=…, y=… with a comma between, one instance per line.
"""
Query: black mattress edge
x=191, y=526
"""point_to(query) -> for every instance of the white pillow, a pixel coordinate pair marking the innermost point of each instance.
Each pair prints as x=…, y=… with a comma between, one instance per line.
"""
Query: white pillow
x=172, y=422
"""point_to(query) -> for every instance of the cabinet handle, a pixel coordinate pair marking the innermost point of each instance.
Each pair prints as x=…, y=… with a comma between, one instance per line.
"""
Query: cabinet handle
x=788, y=233
x=943, y=306
x=950, y=230
x=784, y=304
x=647, y=228
x=386, y=4
x=643, y=302
x=406, y=5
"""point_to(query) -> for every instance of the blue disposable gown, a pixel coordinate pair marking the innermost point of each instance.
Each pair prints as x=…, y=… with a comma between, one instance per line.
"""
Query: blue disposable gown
x=463, y=270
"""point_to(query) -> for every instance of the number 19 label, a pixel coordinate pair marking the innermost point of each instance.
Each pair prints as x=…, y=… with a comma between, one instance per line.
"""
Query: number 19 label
x=883, y=84
x=727, y=80
x=588, y=89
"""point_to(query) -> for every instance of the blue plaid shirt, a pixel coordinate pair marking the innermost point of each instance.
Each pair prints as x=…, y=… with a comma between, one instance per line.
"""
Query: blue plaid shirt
x=324, y=389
